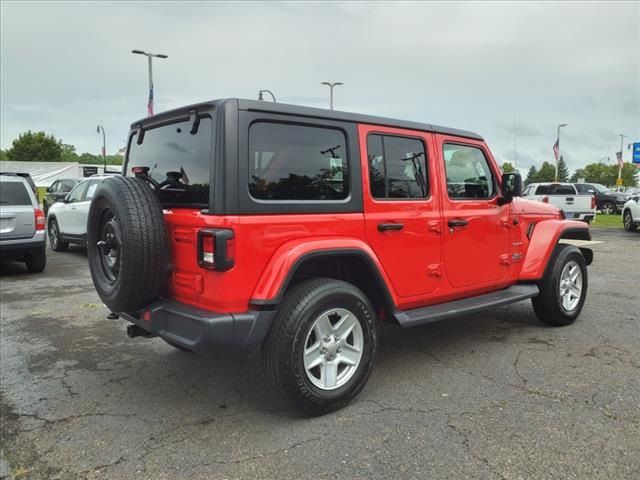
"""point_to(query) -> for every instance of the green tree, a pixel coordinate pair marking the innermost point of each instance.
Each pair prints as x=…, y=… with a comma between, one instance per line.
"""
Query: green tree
x=547, y=173
x=68, y=153
x=607, y=174
x=35, y=147
x=507, y=168
x=3, y=155
x=532, y=175
x=563, y=170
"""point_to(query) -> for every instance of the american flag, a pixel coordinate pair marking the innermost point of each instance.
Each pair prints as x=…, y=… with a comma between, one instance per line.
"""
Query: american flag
x=556, y=149
x=150, y=104
x=619, y=158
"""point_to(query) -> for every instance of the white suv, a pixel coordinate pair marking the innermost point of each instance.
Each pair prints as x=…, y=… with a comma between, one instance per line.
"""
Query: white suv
x=67, y=219
x=631, y=214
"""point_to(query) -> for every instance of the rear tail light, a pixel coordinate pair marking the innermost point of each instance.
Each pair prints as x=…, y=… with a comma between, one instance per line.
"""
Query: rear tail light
x=40, y=219
x=593, y=202
x=545, y=200
x=216, y=249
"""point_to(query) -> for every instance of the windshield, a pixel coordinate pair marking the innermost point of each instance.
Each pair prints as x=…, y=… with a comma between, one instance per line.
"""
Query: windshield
x=601, y=188
x=177, y=159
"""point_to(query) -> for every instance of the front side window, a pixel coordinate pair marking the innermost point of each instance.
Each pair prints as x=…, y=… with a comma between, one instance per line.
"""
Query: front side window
x=297, y=162
x=468, y=173
x=180, y=161
x=76, y=194
x=397, y=167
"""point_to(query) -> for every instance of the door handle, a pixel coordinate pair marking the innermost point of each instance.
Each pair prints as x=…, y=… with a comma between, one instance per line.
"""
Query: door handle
x=383, y=227
x=458, y=222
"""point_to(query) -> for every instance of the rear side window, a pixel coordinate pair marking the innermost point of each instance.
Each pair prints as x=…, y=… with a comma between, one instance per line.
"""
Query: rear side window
x=468, y=173
x=177, y=159
x=397, y=167
x=14, y=193
x=297, y=162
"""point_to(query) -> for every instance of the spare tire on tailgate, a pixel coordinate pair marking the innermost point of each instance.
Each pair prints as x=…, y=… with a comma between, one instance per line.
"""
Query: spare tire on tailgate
x=127, y=244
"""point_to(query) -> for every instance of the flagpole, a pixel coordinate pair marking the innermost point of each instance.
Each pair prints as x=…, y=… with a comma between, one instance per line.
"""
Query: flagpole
x=620, y=162
x=150, y=63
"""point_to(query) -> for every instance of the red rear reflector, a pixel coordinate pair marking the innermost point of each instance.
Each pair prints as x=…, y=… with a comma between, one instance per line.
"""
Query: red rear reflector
x=146, y=316
x=40, y=219
x=593, y=202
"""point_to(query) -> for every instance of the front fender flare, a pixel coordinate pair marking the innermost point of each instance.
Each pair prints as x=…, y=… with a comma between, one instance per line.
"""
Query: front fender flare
x=544, y=239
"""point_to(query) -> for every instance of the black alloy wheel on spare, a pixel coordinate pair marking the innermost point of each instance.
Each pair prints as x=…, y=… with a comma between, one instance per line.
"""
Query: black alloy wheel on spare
x=127, y=244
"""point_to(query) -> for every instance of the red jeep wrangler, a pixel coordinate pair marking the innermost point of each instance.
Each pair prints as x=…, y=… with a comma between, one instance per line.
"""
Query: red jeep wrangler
x=244, y=224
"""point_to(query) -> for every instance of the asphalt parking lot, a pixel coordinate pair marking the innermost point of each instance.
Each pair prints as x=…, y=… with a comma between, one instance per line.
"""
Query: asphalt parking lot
x=496, y=395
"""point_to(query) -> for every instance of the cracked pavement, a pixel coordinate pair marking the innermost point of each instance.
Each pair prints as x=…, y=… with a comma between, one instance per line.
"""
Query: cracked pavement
x=490, y=396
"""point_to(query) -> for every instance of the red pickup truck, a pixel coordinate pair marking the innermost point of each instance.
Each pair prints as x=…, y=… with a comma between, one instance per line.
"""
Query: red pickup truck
x=244, y=224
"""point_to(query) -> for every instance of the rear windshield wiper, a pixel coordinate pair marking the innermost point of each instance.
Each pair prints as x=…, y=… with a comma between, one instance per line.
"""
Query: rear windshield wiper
x=417, y=171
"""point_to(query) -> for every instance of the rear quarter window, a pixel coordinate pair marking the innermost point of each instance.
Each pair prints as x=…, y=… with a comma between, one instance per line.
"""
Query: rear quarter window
x=14, y=193
x=297, y=162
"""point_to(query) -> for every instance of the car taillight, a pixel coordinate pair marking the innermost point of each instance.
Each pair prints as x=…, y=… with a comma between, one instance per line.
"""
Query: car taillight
x=545, y=199
x=216, y=249
x=593, y=202
x=40, y=218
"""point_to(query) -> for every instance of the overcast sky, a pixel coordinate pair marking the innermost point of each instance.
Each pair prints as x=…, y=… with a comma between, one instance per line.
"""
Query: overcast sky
x=65, y=67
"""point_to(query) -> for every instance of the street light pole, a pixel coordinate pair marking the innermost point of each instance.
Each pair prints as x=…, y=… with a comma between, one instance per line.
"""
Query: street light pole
x=266, y=91
x=558, y=138
x=150, y=62
x=104, y=146
x=331, y=85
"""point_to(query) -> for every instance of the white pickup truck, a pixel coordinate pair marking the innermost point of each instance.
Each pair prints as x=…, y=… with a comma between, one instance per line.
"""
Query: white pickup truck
x=564, y=196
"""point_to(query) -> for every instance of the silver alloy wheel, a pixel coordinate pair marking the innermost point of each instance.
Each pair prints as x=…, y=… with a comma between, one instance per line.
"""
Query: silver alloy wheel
x=627, y=220
x=333, y=349
x=570, y=288
x=608, y=208
x=53, y=234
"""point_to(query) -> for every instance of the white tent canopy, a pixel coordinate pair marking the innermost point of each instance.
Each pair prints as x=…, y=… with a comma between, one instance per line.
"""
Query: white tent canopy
x=45, y=173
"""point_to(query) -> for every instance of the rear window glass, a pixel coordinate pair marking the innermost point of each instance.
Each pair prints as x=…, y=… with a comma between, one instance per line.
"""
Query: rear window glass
x=177, y=159
x=554, y=189
x=14, y=193
x=296, y=162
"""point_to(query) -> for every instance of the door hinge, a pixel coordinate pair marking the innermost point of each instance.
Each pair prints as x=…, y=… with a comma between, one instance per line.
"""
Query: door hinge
x=434, y=226
x=435, y=270
x=506, y=222
x=505, y=259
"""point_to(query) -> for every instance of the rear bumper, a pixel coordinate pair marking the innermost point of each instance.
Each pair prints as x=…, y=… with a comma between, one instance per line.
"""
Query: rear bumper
x=203, y=331
x=17, y=248
x=584, y=216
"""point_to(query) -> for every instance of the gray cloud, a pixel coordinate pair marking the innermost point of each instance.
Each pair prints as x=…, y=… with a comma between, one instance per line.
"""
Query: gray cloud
x=66, y=67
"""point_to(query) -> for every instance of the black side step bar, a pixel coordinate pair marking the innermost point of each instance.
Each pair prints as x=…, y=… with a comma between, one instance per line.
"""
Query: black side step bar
x=443, y=311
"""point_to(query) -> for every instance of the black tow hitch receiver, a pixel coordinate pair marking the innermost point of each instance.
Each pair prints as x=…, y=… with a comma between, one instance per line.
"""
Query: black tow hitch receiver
x=134, y=331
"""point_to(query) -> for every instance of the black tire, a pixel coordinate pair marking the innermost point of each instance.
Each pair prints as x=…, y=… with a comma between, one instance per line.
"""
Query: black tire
x=627, y=220
x=285, y=344
x=36, y=261
x=608, y=208
x=548, y=304
x=129, y=268
x=53, y=232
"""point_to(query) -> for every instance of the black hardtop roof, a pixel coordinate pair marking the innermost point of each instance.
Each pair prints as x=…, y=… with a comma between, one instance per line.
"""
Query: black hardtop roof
x=297, y=110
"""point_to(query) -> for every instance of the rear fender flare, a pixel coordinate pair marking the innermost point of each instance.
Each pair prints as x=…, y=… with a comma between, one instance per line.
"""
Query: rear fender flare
x=286, y=260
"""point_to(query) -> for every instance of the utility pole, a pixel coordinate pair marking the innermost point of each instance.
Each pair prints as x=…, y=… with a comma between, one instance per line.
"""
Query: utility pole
x=150, y=61
x=104, y=146
x=331, y=85
x=558, y=140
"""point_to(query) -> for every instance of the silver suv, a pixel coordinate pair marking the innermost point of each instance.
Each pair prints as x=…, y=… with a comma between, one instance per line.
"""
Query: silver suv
x=22, y=224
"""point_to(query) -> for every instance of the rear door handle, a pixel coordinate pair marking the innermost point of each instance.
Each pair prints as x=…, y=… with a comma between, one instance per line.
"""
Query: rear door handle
x=383, y=227
x=458, y=222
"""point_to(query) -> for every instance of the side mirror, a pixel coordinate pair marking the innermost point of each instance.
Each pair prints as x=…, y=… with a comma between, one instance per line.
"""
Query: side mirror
x=66, y=199
x=511, y=186
x=636, y=198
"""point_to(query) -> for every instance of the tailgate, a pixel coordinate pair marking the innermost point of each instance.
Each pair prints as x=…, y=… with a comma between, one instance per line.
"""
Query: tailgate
x=17, y=222
x=572, y=203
